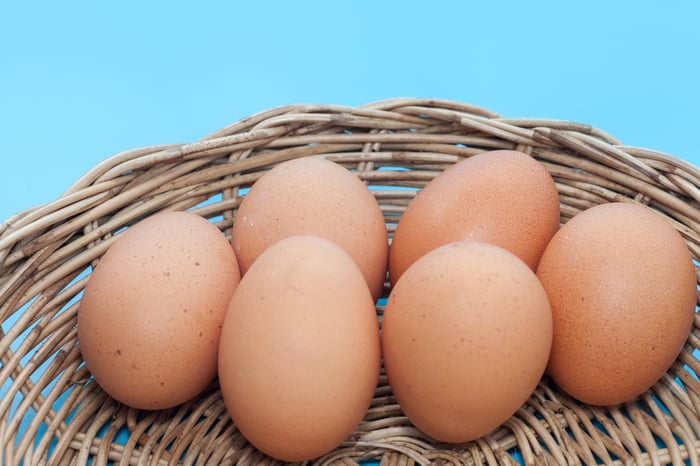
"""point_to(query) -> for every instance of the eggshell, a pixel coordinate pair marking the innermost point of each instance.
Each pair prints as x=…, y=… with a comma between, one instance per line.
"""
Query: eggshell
x=151, y=313
x=502, y=197
x=313, y=196
x=466, y=336
x=299, y=355
x=622, y=287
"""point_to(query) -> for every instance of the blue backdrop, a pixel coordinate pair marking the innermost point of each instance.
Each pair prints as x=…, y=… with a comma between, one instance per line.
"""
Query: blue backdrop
x=81, y=81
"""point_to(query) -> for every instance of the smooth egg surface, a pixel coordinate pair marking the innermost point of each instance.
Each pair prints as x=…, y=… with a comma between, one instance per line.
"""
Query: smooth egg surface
x=299, y=356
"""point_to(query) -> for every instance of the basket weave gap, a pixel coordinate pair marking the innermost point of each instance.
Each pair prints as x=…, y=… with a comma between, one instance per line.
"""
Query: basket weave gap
x=677, y=426
x=71, y=268
x=137, y=432
x=525, y=439
x=574, y=439
x=218, y=209
x=208, y=429
x=544, y=433
x=230, y=442
x=27, y=326
x=106, y=442
x=625, y=430
x=70, y=440
x=408, y=452
x=484, y=452
x=675, y=399
x=64, y=366
x=646, y=429
x=690, y=382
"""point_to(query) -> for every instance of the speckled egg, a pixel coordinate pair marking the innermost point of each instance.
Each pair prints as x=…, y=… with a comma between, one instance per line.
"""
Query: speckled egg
x=313, y=196
x=622, y=287
x=502, y=197
x=466, y=336
x=150, y=317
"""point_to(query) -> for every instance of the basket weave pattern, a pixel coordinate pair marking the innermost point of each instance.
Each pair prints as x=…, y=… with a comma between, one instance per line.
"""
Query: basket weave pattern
x=52, y=412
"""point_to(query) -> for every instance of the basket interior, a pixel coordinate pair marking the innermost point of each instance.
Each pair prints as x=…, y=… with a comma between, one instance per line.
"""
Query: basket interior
x=51, y=411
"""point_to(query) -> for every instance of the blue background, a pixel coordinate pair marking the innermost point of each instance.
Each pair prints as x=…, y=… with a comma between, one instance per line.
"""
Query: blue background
x=80, y=81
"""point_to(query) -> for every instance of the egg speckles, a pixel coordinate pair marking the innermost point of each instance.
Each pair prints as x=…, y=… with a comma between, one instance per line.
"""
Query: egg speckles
x=502, y=197
x=466, y=336
x=622, y=287
x=151, y=314
x=484, y=296
x=313, y=196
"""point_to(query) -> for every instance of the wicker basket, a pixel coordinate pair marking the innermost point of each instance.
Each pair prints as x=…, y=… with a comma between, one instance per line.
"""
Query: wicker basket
x=52, y=413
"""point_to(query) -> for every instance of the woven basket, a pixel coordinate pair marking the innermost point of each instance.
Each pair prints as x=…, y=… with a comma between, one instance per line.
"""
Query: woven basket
x=51, y=412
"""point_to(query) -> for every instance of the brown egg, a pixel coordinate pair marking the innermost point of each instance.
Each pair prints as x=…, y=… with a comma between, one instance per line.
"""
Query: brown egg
x=299, y=355
x=151, y=313
x=313, y=196
x=501, y=197
x=622, y=287
x=466, y=336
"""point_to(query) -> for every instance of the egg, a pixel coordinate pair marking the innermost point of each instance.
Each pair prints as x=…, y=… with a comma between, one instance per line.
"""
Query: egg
x=313, y=196
x=502, y=197
x=151, y=313
x=622, y=287
x=466, y=336
x=299, y=355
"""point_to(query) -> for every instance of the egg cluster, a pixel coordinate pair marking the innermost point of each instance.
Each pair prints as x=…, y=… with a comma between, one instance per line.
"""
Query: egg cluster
x=488, y=294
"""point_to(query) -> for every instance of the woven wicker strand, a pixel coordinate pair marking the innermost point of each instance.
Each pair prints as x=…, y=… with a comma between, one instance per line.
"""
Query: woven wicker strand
x=52, y=412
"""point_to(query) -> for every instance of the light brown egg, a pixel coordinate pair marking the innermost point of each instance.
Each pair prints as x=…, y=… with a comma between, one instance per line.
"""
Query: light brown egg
x=466, y=336
x=299, y=356
x=151, y=313
x=502, y=197
x=622, y=287
x=313, y=196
